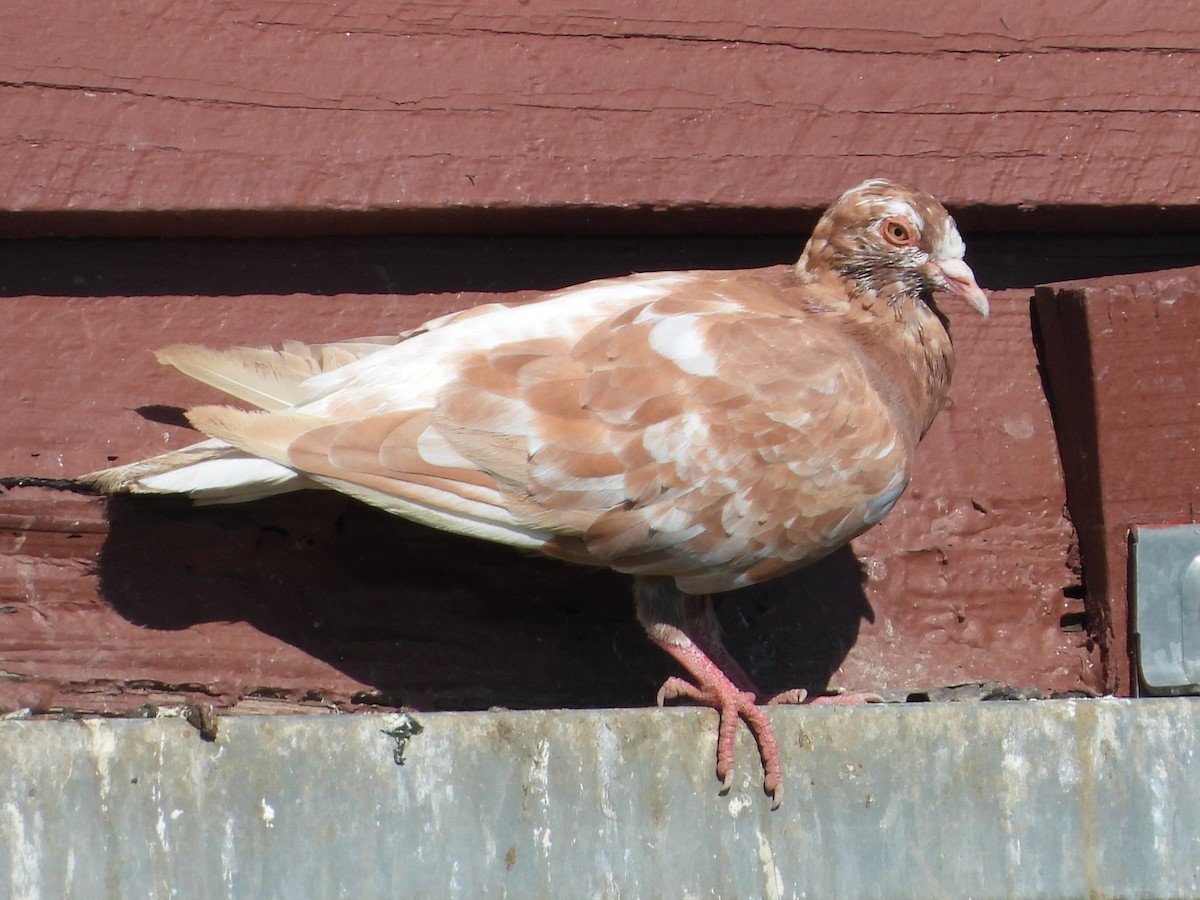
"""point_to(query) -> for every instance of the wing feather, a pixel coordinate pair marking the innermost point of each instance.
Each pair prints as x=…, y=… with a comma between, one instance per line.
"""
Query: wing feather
x=269, y=379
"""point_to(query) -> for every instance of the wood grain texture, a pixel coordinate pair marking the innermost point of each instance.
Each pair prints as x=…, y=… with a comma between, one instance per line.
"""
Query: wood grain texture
x=299, y=117
x=313, y=600
x=1122, y=357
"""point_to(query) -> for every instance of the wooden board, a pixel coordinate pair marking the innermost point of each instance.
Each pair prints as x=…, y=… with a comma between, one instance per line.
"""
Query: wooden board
x=292, y=117
x=311, y=599
x=1122, y=358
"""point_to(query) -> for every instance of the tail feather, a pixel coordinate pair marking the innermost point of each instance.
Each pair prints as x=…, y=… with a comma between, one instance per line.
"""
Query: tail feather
x=212, y=471
x=208, y=472
x=269, y=379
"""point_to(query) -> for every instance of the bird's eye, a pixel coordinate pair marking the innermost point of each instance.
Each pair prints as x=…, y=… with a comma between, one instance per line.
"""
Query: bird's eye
x=898, y=232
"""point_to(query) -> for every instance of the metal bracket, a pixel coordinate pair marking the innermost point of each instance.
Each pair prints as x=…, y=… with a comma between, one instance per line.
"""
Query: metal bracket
x=1165, y=587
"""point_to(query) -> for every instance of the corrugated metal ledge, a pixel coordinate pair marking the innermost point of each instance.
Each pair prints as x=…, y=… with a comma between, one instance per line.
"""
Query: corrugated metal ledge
x=1050, y=799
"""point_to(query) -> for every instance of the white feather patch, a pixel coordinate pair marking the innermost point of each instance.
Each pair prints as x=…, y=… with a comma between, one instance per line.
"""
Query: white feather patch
x=951, y=245
x=676, y=440
x=681, y=340
x=434, y=449
x=223, y=475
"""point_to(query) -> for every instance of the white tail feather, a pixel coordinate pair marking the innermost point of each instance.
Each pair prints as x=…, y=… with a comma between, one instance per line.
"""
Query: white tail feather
x=208, y=472
x=227, y=480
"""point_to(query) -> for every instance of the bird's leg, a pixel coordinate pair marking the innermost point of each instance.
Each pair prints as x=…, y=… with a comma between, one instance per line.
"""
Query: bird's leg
x=670, y=617
x=701, y=625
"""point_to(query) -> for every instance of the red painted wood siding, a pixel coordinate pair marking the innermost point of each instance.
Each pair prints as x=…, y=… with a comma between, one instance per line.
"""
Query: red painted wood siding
x=241, y=120
x=244, y=117
x=1123, y=366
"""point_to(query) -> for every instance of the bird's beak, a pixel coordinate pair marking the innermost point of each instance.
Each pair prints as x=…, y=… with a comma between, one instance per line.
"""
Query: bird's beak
x=960, y=280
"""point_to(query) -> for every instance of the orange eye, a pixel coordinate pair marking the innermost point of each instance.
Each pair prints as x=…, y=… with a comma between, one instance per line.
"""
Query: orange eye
x=898, y=232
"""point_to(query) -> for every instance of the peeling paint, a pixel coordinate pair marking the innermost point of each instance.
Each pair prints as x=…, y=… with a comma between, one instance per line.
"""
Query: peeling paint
x=772, y=879
x=24, y=852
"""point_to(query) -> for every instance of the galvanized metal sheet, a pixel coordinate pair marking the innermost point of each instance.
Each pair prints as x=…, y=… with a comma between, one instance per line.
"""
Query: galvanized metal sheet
x=1166, y=590
x=1050, y=799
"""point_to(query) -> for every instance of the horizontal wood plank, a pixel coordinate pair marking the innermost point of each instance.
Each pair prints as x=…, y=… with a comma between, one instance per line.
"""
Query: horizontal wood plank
x=300, y=117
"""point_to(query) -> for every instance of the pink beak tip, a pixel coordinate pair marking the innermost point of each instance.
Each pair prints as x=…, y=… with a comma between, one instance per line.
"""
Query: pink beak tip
x=961, y=281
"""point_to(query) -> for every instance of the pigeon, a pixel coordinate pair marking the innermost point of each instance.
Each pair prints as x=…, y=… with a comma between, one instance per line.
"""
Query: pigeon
x=699, y=430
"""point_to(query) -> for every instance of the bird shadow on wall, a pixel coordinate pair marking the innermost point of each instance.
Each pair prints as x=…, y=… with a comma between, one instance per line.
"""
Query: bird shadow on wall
x=432, y=620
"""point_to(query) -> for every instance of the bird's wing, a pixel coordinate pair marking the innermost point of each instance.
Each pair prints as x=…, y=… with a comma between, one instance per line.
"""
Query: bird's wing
x=751, y=445
x=385, y=403
x=682, y=435
x=365, y=376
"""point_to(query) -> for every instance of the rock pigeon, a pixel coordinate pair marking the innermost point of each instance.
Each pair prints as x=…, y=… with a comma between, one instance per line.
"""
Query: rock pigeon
x=699, y=430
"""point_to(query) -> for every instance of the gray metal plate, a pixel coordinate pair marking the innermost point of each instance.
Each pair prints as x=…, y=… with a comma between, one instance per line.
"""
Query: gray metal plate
x=1166, y=607
x=1008, y=799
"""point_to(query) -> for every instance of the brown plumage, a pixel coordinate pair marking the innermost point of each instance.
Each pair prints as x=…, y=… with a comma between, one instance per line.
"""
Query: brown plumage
x=701, y=431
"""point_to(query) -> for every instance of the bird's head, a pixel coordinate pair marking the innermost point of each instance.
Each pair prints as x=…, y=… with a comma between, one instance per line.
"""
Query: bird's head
x=891, y=241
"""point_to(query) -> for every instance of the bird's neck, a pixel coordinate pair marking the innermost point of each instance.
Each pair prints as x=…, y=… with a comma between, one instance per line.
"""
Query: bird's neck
x=927, y=331
x=918, y=370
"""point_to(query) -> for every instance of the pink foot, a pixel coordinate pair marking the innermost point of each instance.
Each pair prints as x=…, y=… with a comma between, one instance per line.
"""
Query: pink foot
x=687, y=629
x=732, y=704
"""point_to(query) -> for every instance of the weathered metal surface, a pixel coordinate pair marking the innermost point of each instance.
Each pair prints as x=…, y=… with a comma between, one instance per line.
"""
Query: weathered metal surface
x=1166, y=608
x=1019, y=799
x=378, y=116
